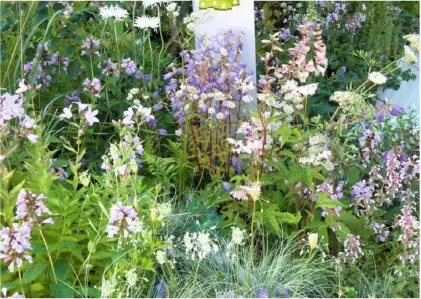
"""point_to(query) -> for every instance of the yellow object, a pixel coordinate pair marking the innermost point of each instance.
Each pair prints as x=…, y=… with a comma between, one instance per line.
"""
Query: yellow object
x=218, y=4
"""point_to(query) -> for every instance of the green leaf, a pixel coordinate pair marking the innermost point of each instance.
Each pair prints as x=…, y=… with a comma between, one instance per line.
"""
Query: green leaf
x=289, y=217
x=61, y=268
x=62, y=244
x=323, y=201
x=36, y=287
x=73, y=70
x=32, y=273
x=61, y=290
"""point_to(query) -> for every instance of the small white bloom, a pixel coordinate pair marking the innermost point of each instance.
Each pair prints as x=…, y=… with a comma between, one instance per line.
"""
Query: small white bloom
x=223, y=51
x=211, y=110
x=178, y=132
x=67, y=113
x=377, y=78
x=145, y=22
x=134, y=91
x=247, y=99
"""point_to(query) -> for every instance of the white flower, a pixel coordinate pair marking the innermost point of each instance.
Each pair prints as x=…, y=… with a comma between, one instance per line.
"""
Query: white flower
x=171, y=7
x=230, y=105
x=22, y=87
x=247, y=99
x=199, y=245
x=312, y=240
x=237, y=237
x=409, y=55
x=152, y=3
x=308, y=90
x=131, y=277
x=134, y=91
x=219, y=116
x=288, y=109
x=223, y=51
x=147, y=22
x=161, y=257
x=116, y=12
x=414, y=40
x=33, y=138
x=67, y=113
x=377, y=78
x=211, y=110
x=178, y=132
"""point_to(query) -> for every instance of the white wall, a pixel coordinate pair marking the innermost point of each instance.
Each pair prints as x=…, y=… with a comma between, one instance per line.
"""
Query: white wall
x=409, y=91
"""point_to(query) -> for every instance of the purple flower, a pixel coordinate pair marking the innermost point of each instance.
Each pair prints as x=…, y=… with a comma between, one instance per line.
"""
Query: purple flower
x=93, y=86
x=226, y=186
x=158, y=107
x=236, y=163
x=129, y=66
x=31, y=207
x=262, y=293
x=387, y=108
x=281, y=292
x=353, y=249
x=90, y=46
x=362, y=194
x=14, y=243
x=162, y=289
x=109, y=68
x=123, y=219
x=163, y=132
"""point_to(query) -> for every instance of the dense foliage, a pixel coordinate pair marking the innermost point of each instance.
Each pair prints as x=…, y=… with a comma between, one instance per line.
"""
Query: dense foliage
x=134, y=161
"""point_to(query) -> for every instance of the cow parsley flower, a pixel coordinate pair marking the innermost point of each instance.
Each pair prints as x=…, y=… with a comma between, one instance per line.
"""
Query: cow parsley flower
x=146, y=22
x=14, y=243
x=377, y=78
x=247, y=192
x=113, y=11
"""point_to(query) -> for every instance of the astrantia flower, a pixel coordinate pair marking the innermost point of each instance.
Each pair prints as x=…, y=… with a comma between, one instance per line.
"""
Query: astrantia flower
x=14, y=243
x=199, y=245
x=377, y=78
x=116, y=12
x=145, y=22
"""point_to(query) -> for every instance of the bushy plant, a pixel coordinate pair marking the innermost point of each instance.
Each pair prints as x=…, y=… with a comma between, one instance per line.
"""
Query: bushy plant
x=133, y=165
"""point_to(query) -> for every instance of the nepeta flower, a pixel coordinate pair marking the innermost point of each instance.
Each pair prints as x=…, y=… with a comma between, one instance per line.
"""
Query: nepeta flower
x=199, y=245
x=146, y=22
x=113, y=11
x=380, y=230
x=14, y=243
x=353, y=249
x=409, y=227
x=129, y=66
x=93, y=86
x=368, y=142
x=123, y=219
x=109, y=68
x=90, y=46
x=11, y=106
x=31, y=207
x=362, y=193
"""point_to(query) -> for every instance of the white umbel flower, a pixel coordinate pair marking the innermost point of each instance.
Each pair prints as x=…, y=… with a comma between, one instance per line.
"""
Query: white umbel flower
x=238, y=235
x=410, y=55
x=414, y=40
x=377, y=78
x=116, y=12
x=146, y=22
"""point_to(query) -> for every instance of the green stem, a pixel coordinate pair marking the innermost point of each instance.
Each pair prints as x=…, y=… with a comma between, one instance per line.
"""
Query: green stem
x=48, y=253
x=21, y=284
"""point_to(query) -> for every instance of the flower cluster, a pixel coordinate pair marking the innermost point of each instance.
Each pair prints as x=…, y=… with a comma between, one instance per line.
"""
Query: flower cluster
x=199, y=245
x=213, y=81
x=362, y=194
x=409, y=236
x=368, y=142
x=301, y=65
x=380, y=230
x=137, y=114
x=146, y=22
x=114, y=12
x=247, y=192
x=123, y=220
x=14, y=244
x=318, y=153
x=123, y=159
x=90, y=46
x=93, y=86
x=85, y=112
x=31, y=207
x=352, y=249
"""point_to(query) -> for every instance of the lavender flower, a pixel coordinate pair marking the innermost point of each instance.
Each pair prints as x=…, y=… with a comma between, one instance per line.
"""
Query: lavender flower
x=362, y=193
x=393, y=176
x=14, y=243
